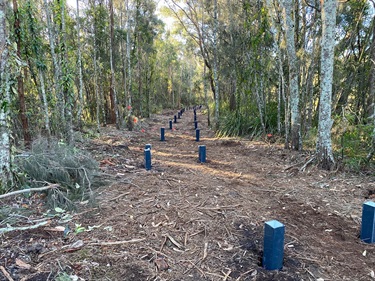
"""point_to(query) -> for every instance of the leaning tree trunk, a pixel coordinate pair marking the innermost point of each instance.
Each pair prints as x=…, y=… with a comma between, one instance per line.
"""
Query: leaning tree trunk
x=324, y=145
x=293, y=76
x=5, y=156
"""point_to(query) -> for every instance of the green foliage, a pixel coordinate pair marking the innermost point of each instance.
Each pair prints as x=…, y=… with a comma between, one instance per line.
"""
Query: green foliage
x=56, y=162
x=239, y=124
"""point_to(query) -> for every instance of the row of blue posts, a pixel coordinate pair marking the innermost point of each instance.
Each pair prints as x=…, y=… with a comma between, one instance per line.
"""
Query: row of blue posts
x=201, y=148
x=274, y=231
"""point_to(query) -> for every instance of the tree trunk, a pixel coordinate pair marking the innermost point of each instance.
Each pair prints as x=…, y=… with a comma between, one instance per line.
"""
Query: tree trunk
x=80, y=87
x=5, y=156
x=45, y=102
x=293, y=76
x=20, y=88
x=324, y=146
x=215, y=70
x=114, y=106
x=129, y=69
x=56, y=65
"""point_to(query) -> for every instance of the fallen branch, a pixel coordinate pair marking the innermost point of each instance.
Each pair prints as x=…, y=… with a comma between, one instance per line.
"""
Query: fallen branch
x=9, y=229
x=116, y=242
x=6, y=274
x=29, y=190
x=311, y=160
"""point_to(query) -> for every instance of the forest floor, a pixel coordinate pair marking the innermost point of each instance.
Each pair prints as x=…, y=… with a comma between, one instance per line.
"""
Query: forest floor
x=185, y=220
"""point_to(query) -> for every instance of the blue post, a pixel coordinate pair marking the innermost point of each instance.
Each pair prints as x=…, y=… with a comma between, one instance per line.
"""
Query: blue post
x=195, y=125
x=175, y=119
x=162, y=136
x=195, y=118
x=202, y=153
x=197, y=131
x=148, y=146
x=273, y=251
x=368, y=222
x=148, y=159
x=170, y=124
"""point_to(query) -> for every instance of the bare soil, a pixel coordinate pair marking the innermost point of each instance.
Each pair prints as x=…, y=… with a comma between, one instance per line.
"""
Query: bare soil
x=185, y=220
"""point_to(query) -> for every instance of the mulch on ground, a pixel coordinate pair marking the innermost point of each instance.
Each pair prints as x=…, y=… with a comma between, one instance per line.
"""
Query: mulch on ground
x=185, y=220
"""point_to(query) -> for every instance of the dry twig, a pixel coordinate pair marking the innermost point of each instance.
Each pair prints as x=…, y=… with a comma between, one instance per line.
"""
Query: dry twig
x=51, y=186
x=6, y=274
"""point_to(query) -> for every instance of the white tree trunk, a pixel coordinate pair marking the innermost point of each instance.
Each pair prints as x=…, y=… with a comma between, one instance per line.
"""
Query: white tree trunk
x=5, y=156
x=56, y=65
x=293, y=75
x=45, y=102
x=324, y=146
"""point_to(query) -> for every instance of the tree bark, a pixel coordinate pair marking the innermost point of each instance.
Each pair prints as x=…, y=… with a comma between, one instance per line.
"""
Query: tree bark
x=215, y=70
x=114, y=105
x=45, y=102
x=5, y=155
x=80, y=77
x=129, y=122
x=56, y=65
x=293, y=76
x=324, y=146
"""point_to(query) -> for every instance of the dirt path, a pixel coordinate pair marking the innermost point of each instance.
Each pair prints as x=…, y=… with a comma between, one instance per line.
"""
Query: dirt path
x=185, y=220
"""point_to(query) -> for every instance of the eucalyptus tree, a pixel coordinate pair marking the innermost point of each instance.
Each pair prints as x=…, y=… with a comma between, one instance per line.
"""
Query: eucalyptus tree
x=289, y=23
x=113, y=95
x=324, y=144
x=146, y=26
x=5, y=156
x=80, y=75
x=372, y=87
x=56, y=63
x=194, y=17
x=215, y=64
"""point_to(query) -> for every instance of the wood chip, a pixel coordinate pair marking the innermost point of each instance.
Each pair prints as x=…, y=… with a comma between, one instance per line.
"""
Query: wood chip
x=161, y=264
x=22, y=264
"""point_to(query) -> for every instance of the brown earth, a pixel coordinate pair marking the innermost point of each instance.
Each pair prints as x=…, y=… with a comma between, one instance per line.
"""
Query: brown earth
x=185, y=220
